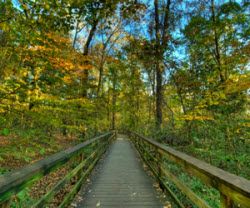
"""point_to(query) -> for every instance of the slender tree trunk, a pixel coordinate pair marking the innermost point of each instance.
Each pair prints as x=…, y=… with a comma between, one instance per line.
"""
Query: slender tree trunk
x=158, y=69
x=75, y=38
x=159, y=97
x=113, y=113
x=217, y=54
x=100, y=77
x=161, y=43
x=149, y=109
x=108, y=113
x=85, y=77
x=114, y=102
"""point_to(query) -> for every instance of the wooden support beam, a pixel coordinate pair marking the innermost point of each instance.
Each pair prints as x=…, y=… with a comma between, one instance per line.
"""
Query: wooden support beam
x=226, y=202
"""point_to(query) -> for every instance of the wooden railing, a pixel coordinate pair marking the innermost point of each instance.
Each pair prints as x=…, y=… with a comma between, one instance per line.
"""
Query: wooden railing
x=13, y=182
x=231, y=187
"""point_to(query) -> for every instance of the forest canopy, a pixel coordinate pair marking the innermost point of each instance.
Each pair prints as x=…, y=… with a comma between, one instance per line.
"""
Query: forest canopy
x=176, y=71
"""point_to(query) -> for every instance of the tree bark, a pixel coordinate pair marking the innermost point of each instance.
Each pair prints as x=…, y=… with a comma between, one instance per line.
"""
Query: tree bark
x=161, y=43
x=217, y=49
x=114, y=101
x=158, y=70
x=85, y=76
x=159, y=96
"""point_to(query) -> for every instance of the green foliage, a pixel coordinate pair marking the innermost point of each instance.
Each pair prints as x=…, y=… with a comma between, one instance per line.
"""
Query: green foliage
x=23, y=199
x=210, y=195
x=3, y=171
x=6, y=132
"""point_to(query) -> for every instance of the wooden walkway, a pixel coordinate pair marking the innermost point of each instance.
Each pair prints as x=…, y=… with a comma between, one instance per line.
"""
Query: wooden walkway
x=119, y=180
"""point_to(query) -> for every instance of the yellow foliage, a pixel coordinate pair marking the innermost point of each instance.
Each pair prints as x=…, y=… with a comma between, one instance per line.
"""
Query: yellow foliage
x=196, y=117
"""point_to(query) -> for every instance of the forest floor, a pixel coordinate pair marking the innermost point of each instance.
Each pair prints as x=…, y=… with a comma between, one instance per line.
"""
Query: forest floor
x=14, y=160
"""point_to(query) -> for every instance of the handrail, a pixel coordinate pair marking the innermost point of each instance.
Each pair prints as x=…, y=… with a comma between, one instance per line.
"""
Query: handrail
x=13, y=182
x=231, y=187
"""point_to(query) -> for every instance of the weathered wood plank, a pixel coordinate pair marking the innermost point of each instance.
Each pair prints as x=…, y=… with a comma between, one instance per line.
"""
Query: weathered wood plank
x=226, y=202
x=163, y=185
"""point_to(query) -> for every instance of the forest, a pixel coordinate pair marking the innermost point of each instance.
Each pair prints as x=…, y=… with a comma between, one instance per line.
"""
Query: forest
x=176, y=71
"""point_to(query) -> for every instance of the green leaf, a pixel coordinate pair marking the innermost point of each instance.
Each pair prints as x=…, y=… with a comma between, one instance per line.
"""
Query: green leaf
x=42, y=152
x=196, y=139
x=1, y=159
x=22, y=195
x=17, y=155
x=23, y=7
x=6, y=132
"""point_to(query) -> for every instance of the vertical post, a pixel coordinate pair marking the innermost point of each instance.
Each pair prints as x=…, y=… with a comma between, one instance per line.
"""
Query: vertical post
x=144, y=149
x=225, y=201
x=140, y=146
x=109, y=140
x=136, y=142
x=159, y=158
x=132, y=139
x=96, y=144
x=6, y=204
x=151, y=148
x=79, y=175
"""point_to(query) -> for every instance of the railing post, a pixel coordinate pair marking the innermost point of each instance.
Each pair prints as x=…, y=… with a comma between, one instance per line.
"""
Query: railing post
x=6, y=204
x=81, y=157
x=225, y=202
x=96, y=144
x=159, y=158
x=144, y=149
x=136, y=142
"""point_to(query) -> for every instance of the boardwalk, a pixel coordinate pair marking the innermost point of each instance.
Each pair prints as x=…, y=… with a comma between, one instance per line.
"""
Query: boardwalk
x=119, y=180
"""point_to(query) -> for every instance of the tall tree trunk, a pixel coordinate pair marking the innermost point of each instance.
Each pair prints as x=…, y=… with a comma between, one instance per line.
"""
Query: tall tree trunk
x=114, y=102
x=161, y=43
x=100, y=76
x=108, y=113
x=85, y=77
x=217, y=49
x=113, y=112
x=158, y=69
x=159, y=96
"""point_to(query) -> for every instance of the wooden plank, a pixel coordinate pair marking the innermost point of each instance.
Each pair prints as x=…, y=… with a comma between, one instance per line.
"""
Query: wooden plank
x=78, y=185
x=226, y=202
x=81, y=159
x=59, y=185
x=119, y=181
x=164, y=186
x=13, y=182
x=235, y=187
